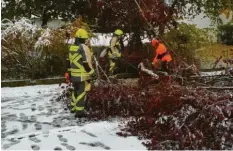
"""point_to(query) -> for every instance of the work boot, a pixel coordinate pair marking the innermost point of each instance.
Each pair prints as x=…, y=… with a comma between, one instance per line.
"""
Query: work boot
x=81, y=114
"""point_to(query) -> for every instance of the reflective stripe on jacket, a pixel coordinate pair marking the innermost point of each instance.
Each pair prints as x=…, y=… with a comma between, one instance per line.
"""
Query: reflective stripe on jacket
x=77, y=56
x=114, y=48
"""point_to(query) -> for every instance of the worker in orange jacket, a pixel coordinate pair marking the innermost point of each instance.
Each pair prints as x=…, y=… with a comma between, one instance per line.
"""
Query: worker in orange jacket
x=161, y=53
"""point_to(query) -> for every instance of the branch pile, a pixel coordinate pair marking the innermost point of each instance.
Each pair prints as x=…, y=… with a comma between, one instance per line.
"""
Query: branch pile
x=170, y=116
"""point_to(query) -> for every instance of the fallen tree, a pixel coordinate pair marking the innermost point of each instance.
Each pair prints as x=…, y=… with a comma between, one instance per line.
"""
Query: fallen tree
x=169, y=115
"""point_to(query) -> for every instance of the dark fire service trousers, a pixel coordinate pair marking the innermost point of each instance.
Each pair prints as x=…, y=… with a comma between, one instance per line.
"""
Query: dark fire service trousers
x=79, y=95
x=167, y=67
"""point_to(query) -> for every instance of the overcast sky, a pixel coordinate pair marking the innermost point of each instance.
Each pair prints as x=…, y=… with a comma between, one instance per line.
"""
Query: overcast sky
x=202, y=22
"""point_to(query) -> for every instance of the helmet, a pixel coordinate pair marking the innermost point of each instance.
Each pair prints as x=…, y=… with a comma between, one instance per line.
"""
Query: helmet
x=81, y=33
x=118, y=32
x=154, y=42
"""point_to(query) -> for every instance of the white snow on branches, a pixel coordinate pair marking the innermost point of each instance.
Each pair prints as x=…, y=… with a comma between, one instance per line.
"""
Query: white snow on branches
x=44, y=39
x=21, y=27
x=24, y=28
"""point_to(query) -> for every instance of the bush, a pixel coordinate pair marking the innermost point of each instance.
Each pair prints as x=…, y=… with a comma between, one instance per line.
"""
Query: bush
x=186, y=39
x=32, y=52
x=29, y=51
x=225, y=34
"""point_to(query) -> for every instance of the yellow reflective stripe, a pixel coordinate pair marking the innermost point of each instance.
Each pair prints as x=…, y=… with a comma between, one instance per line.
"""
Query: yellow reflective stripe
x=78, y=98
x=84, y=78
x=118, y=54
x=110, y=54
x=75, y=61
x=87, y=86
x=74, y=56
x=92, y=71
x=75, y=108
x=112, y=66
x=76, y=74
x=77, y=70
x=71, y=57
x=74, y=48
x=79, y=74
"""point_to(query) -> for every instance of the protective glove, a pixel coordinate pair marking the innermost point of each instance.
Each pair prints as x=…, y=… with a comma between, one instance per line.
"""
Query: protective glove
x=153, y=66
x=67, y=76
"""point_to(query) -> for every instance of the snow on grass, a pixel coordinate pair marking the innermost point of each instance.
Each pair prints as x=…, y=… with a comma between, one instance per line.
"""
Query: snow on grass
x=30, y=91
x=99, y=135
x=33, y=119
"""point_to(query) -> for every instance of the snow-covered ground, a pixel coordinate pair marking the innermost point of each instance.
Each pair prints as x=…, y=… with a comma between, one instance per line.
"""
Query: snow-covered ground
x=33, y=119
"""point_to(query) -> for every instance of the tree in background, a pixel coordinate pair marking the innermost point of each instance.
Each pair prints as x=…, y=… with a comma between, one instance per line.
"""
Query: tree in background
x=210, y=8
x=29, y=51
x=225, y=34
x=159, y=13
x=133, y=15
x=109, y=14
x=141, y=18
x=45, y=9
x=186, y=39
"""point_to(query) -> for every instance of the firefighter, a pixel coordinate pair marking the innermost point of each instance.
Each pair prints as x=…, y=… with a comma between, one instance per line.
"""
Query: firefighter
x=80, y=71
x=162, y=54
x=114, y=51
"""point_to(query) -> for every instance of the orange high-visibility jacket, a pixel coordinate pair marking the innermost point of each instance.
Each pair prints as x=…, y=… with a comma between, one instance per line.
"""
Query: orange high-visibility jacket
x=162, y=54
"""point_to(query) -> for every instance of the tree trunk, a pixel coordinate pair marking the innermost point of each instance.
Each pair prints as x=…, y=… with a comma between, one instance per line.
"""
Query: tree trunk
x=44, y=19
x=93, y=12
x=161, y=29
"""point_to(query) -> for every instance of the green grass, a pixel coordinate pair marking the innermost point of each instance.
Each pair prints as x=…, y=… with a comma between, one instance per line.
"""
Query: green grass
x=208, y=55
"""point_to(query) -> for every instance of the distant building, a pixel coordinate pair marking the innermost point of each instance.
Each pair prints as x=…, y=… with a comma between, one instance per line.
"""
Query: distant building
x=52, y=24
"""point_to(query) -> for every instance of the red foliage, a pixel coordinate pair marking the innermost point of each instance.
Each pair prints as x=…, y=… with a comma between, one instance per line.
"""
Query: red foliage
x=172, y=117
x=169, y=115
x=156, y=11
x=125, y=14
x=133, y=56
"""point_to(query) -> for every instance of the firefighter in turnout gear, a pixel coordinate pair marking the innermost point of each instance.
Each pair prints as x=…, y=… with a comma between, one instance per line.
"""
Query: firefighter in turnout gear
x=114, y=51
x=81, y=72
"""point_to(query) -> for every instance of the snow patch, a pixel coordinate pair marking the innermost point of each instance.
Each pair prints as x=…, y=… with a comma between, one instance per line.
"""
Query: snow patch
x=33, y=119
